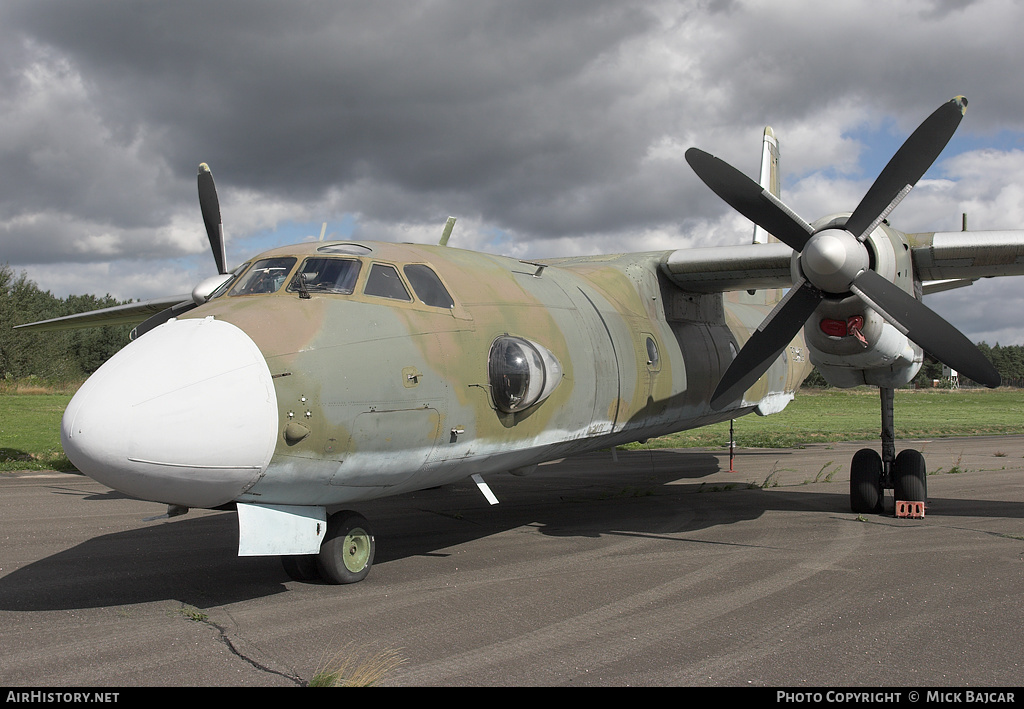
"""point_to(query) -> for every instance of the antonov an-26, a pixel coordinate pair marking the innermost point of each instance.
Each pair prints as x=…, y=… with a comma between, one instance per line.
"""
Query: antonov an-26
x=316, y=376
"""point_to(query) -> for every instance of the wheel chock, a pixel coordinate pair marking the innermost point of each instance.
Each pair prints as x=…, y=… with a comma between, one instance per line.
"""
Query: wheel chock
x=914, y=510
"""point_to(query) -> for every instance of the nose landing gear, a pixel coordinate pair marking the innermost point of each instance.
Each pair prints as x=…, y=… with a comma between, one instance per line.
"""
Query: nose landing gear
x=346, y=553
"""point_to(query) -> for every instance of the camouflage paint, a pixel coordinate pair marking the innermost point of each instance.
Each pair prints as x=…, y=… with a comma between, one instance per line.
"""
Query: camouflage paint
x=378, y=396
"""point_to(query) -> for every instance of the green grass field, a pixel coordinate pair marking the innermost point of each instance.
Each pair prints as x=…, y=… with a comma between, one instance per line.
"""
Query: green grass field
x=30, y=431
x=30, y=422
x=823, y=415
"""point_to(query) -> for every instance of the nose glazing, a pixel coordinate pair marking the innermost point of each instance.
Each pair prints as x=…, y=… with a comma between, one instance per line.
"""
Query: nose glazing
x=185, y=415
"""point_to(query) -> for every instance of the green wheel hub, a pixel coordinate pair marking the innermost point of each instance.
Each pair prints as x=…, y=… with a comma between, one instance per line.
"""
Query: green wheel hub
x=347, y=551
x=356, y=550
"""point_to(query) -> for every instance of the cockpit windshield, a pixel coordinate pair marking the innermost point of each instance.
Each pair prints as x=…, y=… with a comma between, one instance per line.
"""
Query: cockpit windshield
x=326, y=275
x=266, y=276
x=337, y=275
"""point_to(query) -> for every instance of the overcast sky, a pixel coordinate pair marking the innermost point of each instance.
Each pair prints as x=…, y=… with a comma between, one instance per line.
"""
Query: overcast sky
x=547, y=128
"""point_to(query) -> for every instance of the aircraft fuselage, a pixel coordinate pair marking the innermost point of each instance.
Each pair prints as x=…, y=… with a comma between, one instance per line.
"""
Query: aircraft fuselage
x=378, y=394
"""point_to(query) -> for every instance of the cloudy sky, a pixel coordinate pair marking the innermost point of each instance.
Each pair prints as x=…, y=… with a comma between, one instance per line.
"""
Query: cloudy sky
x=548, y=128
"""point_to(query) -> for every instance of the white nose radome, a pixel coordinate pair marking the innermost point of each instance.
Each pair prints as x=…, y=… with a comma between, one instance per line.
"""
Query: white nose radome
x=185, y=415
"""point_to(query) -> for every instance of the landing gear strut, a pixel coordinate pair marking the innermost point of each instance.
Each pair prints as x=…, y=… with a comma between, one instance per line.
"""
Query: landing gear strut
x=871, y=474
x=346, y=553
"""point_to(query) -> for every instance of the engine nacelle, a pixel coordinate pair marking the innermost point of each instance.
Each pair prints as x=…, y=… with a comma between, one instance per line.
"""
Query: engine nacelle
x=850, y=343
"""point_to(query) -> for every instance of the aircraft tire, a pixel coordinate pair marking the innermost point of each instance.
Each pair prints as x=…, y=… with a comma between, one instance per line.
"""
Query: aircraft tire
x=301, y=567
x=866, y=481
x=347, y=551
x=910, y=479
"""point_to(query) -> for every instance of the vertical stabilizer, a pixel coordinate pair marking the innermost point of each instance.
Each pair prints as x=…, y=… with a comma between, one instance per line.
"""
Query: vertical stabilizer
x=769, y=177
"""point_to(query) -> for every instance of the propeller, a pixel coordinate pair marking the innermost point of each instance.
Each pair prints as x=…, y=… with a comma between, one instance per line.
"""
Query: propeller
x=835, y=261
x=209, y=205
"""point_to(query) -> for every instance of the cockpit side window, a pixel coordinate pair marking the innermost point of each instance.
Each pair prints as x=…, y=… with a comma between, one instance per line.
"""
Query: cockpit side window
x=228, y=283
x=385, y=282
x=326, y=275
x=266, y=276
x=428, y=286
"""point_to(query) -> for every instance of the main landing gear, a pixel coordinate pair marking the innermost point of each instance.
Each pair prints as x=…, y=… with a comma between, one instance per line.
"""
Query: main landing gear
x=871, y=474
x=346, y=553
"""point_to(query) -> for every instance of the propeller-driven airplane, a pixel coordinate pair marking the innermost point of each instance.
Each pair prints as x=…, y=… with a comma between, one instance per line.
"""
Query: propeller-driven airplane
x=320, y=375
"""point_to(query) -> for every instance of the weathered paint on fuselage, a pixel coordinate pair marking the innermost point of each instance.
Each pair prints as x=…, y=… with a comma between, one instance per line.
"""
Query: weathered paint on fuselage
x=378, y=396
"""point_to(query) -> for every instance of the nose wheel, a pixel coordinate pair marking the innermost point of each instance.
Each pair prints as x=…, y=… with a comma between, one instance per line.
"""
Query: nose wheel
x=346, y=553
x=871, y=474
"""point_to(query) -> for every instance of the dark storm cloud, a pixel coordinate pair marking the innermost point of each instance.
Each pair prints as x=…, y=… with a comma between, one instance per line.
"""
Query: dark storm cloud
x=544, y=126
x=295, y=97
x=537, y=116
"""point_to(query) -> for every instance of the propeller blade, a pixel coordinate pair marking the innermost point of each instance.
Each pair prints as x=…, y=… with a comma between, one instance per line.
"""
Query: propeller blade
x=767, y=342
x=750, y=199
x=925, y=327
x=210, y=206
x=160, y=318
x=906, y=167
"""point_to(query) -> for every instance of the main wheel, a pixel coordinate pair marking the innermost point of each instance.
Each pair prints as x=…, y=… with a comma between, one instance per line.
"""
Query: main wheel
x=910, y=479
x=866, y=481
x=346, y=553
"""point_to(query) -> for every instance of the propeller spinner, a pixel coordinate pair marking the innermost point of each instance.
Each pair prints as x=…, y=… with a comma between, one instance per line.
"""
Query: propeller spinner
x=835, y=261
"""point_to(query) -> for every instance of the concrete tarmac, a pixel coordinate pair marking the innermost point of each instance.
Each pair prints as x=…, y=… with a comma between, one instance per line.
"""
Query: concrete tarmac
x=662, y=567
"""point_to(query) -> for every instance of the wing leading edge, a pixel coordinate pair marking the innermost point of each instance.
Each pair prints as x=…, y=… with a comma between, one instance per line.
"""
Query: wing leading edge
x=129, y=314
x=967, y=255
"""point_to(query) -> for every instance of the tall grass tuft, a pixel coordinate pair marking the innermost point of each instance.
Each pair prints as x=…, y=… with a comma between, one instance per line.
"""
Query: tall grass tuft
x=349, y=668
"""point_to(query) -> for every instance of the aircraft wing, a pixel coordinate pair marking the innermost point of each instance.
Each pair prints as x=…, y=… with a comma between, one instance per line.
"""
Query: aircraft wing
x=941, y=260
x=129, y=314
x=958, y=258
x=723, y=268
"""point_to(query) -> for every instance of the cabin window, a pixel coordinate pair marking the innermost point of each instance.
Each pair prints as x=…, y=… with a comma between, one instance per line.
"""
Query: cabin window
x=521, y=373
x=350, y=249
x=653, y=358
x=266, y=276
x=385, y=282
x=428, y=286
x=326, y=275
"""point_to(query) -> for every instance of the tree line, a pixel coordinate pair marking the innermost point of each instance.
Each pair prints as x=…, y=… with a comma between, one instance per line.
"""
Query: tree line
x=60, y=357
x=1008, y=361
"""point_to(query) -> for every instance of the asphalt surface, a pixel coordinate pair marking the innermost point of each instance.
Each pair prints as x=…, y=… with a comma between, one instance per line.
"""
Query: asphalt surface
x=660, y=568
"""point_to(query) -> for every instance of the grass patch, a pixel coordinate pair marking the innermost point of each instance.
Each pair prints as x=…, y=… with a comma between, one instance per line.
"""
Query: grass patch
x=830, y=415
x=827, y=472
x=193, y=614
x=348, y=668
x=30, y=430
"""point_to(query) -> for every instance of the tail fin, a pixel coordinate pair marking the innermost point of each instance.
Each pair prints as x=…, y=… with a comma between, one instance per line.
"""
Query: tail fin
x=769, y=177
